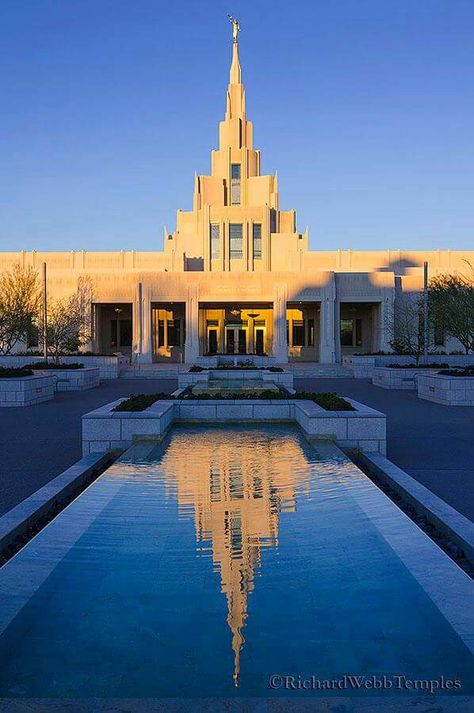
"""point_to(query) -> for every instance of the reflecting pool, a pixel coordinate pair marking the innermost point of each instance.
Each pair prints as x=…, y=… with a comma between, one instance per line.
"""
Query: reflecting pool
x=223, y=557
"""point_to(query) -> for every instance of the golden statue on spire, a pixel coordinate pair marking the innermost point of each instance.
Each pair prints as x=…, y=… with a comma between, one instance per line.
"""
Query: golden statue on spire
x=235, y=27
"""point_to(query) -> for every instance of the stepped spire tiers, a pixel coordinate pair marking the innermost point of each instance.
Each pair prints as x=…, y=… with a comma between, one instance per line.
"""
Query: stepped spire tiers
x=235, y=220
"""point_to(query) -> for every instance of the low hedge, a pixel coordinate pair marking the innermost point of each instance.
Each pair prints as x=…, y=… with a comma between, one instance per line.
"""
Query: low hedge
x=51, y=365
x=328, y=401
x=467, y=371
x=14, y=373
x=433, y=365
x=231, y=367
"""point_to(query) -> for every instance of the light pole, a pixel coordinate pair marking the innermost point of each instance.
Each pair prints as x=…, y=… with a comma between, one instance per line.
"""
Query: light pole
x=45, y=316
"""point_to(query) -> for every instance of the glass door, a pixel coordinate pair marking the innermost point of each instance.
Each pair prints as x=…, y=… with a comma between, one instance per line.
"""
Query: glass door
x=235, y=339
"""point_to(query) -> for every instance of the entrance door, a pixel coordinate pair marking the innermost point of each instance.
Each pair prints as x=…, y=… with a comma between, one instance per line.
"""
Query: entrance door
x=235, y=340
x=259, y=340
x=212, y=340
x=242, y=337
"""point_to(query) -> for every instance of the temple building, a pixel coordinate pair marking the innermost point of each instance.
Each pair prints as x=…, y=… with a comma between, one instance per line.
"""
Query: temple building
x=236, y=277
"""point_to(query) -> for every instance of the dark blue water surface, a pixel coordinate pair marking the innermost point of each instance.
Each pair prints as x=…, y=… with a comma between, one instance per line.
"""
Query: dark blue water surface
x=225, y=556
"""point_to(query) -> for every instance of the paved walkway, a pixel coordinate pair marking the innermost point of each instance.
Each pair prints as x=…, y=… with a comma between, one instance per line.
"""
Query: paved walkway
x=39, y=442
x=435, y=444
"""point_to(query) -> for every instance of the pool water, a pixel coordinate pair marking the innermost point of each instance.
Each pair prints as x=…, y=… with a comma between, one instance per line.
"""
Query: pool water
x=206, y=564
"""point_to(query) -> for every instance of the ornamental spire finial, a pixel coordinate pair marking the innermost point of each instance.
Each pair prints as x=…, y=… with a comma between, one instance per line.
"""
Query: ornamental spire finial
x=235, y=27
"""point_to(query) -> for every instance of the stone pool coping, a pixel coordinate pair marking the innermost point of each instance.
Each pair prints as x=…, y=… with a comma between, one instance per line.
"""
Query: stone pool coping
x=443, y=516
x=17, y=522
x=104, y=429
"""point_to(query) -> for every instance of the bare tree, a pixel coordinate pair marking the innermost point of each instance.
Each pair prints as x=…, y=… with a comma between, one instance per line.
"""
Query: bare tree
x=19, y=303
x=69, y=321
x=406, y=326
x=452, y=306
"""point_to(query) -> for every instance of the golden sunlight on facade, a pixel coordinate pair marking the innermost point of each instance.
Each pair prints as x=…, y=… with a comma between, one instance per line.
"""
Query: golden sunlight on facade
x=236, y=277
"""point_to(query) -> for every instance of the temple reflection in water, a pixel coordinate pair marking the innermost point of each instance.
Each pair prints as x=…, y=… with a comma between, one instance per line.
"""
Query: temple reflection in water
x=236, y=500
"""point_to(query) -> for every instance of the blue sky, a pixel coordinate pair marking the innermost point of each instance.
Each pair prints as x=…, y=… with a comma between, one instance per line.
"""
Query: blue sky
x=365, y=108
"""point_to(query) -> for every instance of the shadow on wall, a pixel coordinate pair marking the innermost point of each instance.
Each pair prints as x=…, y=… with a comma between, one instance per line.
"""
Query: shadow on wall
x=400, y=267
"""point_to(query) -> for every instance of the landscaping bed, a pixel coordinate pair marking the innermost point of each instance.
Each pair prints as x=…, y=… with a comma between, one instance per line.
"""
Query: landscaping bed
x=449, y=388
x=400, y=376
x=327, y=401
x=21, y=387
x=15, y=373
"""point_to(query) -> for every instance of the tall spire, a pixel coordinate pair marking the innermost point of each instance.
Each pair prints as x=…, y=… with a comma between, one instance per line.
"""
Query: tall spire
x=235, y=68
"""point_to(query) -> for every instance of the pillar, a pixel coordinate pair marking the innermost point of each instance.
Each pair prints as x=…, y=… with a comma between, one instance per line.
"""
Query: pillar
x=137, y=323
x=146, y=356
x=280, y=345
x=191, y=347
x=327, y=326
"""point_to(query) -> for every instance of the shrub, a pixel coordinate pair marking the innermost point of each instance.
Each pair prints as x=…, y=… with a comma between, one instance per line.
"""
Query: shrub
x=328, y=401
x=56, y=367
x=14, y=373
x=466, y=371
x=433, y=365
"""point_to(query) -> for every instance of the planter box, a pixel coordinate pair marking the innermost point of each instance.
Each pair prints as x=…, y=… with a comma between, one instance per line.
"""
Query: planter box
x=26, y=390
x=446, y=390
x=109, y=366
x=74, y=379
x=405, y=379
x=104, y=429
x=240, y=376
x=363, y=366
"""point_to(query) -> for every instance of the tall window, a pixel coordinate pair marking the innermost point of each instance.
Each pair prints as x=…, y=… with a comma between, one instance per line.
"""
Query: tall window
x=351, y=332
x=257, y=241
x=235, y=241
x=215, y=241
x=298, y=333
x=235, y=184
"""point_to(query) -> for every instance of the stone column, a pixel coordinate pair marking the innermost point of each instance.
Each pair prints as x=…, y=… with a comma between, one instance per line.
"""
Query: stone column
x=280, y=345
x=137, y=323
x=386, y=312
x=147, y=351
x=191, y=348
x=327, y=324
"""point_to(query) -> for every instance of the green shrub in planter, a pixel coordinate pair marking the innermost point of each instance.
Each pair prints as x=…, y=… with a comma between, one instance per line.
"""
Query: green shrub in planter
x=14, y=373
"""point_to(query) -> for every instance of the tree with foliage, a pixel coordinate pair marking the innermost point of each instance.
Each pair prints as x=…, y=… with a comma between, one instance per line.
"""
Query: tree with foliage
x=69, y=321
x=406, y=326
x=451, y=299
x=19, y=304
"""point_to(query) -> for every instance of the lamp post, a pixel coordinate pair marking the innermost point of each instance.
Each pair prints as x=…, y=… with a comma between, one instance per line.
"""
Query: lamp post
x=45, y=316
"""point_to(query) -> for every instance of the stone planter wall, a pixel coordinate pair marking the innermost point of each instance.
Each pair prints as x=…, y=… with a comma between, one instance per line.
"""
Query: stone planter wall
x=446, y=390
x=363, y=366
x=109, y=366
x=364, y=428
x=26, y=390
x=405, y=379
x=74, y=379
x=187, y=378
